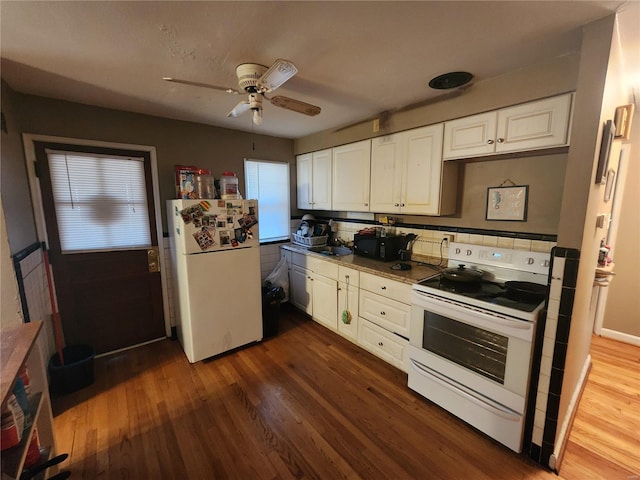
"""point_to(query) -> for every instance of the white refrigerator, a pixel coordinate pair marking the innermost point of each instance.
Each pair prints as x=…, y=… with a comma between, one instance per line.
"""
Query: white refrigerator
x=215, y=253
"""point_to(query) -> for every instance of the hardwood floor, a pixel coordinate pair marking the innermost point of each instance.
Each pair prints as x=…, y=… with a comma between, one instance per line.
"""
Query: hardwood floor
x=303, y=404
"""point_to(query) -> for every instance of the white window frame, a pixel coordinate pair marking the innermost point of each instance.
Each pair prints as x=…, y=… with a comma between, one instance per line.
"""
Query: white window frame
x=263, y=214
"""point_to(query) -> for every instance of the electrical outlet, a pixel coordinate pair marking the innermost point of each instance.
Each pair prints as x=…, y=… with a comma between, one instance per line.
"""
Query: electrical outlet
x=446, y=240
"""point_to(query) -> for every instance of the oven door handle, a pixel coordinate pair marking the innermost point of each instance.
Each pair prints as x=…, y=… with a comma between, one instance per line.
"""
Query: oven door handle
x=492, y=317
x=467, y=393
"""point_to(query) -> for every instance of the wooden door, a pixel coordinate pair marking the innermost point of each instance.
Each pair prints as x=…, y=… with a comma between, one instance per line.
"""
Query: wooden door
x=108, y=297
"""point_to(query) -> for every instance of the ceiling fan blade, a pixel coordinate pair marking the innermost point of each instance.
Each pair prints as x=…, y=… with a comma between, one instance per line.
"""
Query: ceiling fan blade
x=295, y=105
x=198, y=84
x=278, y=73
x=239, y=109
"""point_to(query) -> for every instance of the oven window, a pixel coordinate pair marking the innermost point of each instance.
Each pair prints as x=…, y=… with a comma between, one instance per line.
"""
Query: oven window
x=471, y=347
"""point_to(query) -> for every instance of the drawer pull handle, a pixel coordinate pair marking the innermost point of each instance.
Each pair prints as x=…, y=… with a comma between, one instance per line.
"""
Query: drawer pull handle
x=383, y=288
x=380, y=344
x=382, y=313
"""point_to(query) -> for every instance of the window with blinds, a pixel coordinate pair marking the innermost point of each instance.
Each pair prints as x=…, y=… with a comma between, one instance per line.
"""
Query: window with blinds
x=100, y=201
x=268, y=182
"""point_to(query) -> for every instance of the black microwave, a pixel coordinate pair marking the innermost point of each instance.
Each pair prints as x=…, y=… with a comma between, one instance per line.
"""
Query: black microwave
x=386, y=249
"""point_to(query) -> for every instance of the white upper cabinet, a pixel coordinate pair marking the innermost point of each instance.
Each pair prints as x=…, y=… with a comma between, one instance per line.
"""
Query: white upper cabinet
x=407, y=174
x=530, y=126
x=314, y=180
x=351, y=173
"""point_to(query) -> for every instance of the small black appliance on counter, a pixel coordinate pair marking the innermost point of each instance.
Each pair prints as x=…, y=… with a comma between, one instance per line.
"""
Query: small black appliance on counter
x=386, y=249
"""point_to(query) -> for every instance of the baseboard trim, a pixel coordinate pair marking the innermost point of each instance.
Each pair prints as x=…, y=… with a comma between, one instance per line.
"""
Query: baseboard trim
x=113, y=352
x=619, y=336
x=561, y=440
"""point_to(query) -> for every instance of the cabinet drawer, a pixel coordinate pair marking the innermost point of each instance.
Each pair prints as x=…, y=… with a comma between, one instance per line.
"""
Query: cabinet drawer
x=389, y=314
x=398, y=291
x=322, y=267
x=299, y=259
x=353, y=276
x=381, y=343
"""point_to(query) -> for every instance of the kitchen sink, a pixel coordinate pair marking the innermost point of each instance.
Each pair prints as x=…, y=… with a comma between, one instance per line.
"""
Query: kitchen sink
x=335, y=251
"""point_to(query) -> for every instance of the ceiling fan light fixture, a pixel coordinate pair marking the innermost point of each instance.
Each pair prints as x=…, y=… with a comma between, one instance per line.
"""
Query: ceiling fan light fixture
x=257, y=116
x=450, y=80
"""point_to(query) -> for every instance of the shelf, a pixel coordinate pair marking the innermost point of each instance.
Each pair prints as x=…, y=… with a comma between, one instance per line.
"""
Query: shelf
x=13, y=458
x=17, y=342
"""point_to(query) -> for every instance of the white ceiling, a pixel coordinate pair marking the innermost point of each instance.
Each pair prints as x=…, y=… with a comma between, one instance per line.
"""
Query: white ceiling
x=355, y=59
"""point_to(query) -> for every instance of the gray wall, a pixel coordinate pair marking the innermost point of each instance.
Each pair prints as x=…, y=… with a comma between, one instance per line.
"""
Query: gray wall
x=176, y=142
x=544, y=173
x=14, y=186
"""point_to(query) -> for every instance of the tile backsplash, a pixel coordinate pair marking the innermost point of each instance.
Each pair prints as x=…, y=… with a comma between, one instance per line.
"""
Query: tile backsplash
x=429, y=242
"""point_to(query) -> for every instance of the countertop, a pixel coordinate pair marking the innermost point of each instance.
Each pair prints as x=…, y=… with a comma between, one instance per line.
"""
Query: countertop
x=417, y=273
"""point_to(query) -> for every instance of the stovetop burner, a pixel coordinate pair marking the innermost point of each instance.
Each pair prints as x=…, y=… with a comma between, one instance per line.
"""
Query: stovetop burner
x=485, y=291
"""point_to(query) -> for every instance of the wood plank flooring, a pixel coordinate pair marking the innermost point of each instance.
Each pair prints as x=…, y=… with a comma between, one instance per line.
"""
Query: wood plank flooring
x=304, y=404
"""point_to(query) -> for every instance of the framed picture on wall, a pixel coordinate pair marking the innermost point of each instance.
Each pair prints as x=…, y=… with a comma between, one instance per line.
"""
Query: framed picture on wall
x=622, y=121
x=608, y=133
x=507, y=203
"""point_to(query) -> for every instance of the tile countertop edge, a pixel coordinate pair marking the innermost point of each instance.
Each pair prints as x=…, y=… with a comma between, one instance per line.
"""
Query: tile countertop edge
x=378, y=267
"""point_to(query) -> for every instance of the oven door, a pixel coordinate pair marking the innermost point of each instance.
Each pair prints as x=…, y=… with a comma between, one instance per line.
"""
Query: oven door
x=486, y=352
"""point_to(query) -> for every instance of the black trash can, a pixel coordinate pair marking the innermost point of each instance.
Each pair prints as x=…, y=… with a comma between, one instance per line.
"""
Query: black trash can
x=271, y=298
x=77, y=371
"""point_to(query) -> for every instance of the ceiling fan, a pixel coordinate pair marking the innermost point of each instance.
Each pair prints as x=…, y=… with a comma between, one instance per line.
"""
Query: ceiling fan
x=257, y=80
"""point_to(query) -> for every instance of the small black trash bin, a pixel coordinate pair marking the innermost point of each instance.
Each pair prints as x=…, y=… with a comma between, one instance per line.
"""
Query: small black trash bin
x=77, y=371
x=271, y=298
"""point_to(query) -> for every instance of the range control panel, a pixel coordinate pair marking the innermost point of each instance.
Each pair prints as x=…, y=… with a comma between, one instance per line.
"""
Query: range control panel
x=534, y=262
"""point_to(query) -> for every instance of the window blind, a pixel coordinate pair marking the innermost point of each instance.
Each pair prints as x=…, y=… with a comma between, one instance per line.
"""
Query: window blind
x=100, y=201
x=268, y=182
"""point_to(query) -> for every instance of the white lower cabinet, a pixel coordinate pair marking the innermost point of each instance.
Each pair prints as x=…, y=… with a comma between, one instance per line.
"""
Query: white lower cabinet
x=301, y=288
x=314, y=288
x=385, y=313
x=325, y=301
x=379, y=307
x=348, y=293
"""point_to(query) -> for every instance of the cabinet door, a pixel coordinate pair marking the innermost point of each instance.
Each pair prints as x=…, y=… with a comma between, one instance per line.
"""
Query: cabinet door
x=422, y=171
x=301, y=289
x=304, y=178
x=386, y=174
x=325, y=301
x=348, y=301
x=321, y=199
x=470, y=136
x=534, y=125
x=351, y=177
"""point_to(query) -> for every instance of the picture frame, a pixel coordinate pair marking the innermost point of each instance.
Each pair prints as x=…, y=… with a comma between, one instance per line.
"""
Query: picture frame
x=608, y=134
x=507, y=203
x=622, y=121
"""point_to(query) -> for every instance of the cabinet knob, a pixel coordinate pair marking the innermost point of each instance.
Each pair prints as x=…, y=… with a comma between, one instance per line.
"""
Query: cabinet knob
x=402, y=204
x=396, y=204
x=489, y=142
x=380, y=344
x=501, y=140
x=366, y=204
